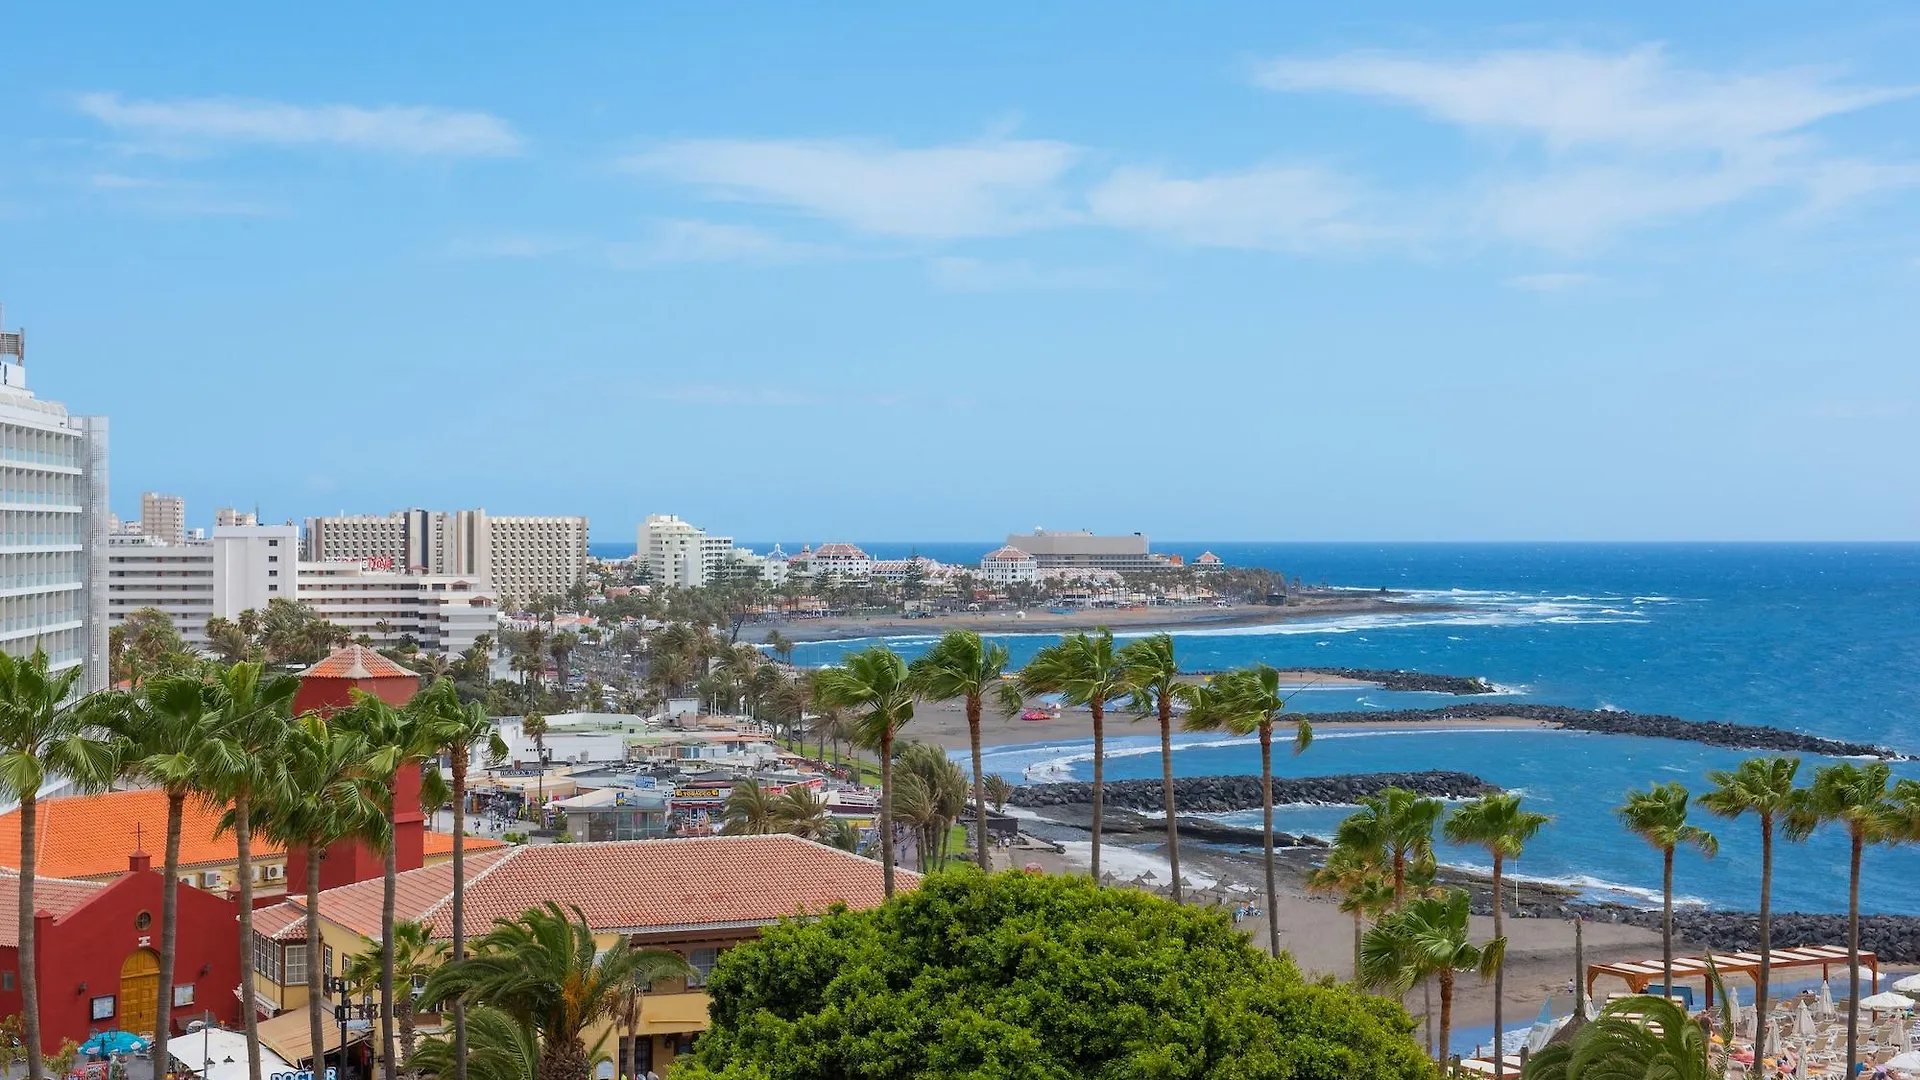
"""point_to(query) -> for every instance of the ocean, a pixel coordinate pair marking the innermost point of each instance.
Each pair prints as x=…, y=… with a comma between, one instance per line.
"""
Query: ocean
x=1823, y=638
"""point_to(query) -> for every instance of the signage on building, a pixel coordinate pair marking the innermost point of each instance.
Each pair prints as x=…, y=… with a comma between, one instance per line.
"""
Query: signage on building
x=303, y=1074
x=377, y=562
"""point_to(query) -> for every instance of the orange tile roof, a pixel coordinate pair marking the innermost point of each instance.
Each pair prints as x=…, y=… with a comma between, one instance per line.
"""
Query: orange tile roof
x=281, y=922
x=632, y=885
x=90, y=836
x=440, y=843
x=355, y=662
x=54, y=895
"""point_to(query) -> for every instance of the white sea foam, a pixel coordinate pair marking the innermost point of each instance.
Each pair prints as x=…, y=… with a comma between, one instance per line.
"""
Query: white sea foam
x=1588, y=885
x=1127, y=863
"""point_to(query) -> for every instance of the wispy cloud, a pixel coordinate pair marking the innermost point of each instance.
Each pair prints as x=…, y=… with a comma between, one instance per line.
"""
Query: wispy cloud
x=512, y=245
x=1287, y=208
x=174, y=198
x=962, y=274
x=400, y=129
x=1552, y=282
x=711, y=242
x=991, y=188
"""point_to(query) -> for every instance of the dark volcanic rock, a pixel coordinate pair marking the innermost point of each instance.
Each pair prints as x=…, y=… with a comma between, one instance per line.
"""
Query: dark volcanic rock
x=1894, y=938
x=1408, y=680
x=1215, y=794
x=1606, y=722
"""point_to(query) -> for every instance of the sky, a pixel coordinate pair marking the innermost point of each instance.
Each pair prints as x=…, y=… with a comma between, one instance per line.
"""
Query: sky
x=1212, y=271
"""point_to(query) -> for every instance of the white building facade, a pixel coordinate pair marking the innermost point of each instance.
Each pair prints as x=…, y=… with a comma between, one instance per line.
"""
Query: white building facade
x=242, y=567
x=442, y=613
x=1009, y=566
x=675, y=551
x=53, y=525
x=524, y=558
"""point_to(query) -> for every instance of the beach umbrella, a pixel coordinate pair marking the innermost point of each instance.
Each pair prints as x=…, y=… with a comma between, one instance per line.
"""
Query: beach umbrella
x=1886, y=1001
x=1907, y=1062
x=1542, y=1030
x=1734, y=1015
x=1908, y=985
x=1826, y=1001
x=1803, y=1022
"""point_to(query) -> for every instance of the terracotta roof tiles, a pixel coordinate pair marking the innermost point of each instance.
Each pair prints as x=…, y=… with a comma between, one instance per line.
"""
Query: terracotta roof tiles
x=356, y=662
x=90, y=836
x=55, y=895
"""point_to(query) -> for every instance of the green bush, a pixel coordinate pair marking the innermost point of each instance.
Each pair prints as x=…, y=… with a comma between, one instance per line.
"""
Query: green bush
x=1014, y=975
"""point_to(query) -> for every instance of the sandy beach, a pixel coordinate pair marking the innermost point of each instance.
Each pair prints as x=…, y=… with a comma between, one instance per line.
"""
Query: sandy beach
x=1041, y=621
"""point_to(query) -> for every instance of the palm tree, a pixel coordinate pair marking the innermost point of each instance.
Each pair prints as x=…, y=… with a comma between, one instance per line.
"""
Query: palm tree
x=998, y=791
x=961, y=665
x=1427, y=938
x=802, y=812
x=945, y=789
x=1083, y=670
x=162, y=738
x=1659, y=816
x=1361, y=883
x=1397, y=826
x=1764, y=788
x=749, y=810
x=544, y=971
x=241, y=761
x=503, y=1049
x=459, y=729
x=1249, y=700
x=1854, y=797
x=1497, y=823
x=873, y=683
x=416, y=956
x=43, y=732
x=1632, y=1037
x=1154, y=678
x=323, y=802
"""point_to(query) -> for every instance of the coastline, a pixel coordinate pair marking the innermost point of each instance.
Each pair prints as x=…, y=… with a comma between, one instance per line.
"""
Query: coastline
x=1124, y=620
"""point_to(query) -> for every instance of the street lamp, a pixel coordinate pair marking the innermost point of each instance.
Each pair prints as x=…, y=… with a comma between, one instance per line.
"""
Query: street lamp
x=337, y=988
x=546, y=758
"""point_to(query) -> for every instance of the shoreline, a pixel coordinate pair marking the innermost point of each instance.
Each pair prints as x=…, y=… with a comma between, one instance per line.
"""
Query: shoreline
x=1169, y=619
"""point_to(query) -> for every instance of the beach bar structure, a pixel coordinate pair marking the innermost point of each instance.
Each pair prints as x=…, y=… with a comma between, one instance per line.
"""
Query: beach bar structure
x=1641, y=974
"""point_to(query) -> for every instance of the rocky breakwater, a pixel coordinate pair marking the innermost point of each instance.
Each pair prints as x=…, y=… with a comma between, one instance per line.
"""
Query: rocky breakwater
x=1895, y=939
x=1219, y=794
x=1610, y=722
x=1418, y=681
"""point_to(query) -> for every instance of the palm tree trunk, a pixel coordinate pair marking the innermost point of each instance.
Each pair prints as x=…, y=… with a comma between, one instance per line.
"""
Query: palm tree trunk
x=1666, y=922
x=29, y=963
x=1099, y=779
x=243, y=839
x=1446, y=1013
x=1266, y=827
x=391, y=884
x=1499, y=985
x=979, y=783
x=1766, y=917
x=1166, y=790
x=316, y=958
x=169, y=921
x=1357, y=915
x=1853, y=953
x=459, y=760
x=407, y=1029
x=1399, y=878
x=886, y=813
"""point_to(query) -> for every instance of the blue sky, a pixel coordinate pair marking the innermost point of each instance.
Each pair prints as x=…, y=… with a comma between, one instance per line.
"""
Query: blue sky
x=1208, y=271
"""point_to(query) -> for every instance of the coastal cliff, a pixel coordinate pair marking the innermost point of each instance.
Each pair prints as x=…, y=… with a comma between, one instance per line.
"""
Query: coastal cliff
x=1218, y=794
x=1608, y=722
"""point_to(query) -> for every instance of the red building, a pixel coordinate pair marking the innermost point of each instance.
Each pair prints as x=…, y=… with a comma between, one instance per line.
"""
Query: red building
x=97, y=946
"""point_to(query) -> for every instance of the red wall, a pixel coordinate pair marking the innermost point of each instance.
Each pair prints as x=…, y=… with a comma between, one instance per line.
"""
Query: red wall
x=89, y=943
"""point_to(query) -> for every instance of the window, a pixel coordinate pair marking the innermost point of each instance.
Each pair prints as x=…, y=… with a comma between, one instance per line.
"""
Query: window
x=273, y=558
x=295, y=966
x=6, y=980
x=273, y=543
x=701, y=961
x=326, y=961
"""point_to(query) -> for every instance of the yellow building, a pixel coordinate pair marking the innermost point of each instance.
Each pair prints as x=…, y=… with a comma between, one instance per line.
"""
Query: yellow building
x=698, y=896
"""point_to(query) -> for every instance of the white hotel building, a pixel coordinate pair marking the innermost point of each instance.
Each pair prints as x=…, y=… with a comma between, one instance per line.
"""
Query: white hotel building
x=525, y=558
x=53, y=525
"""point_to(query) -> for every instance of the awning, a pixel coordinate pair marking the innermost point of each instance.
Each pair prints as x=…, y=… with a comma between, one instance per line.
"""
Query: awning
x=289, y=1036
x=218, y=1054
x=672, y=1014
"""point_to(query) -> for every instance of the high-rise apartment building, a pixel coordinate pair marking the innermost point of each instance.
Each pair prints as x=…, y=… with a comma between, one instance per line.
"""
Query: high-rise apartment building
x=163, y=517
x=242, y=567
x=53, y=524
x=681, y=555
x=227, y=515
x=523, y=558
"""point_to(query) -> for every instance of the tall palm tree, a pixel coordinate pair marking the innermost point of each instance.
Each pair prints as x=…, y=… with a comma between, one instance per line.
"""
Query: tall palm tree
x=945, y=790
x=1360, y=881
x=873, y=684
x=1153, y=678
x=1497, y=823
x=1243, y=701
x=460, y=730
x=324, y=801
x=43, y=732
x=1764, y=788
x=1084, y=670
x=162, y=737
x=749, y=810
x=416, y=956
x=1397, y=826
x=1659, y=816
x=961, y=665
x=241, y=762
x=1427, y=939
x=1854, y=797
x=1632, y=1037
x=544, y=971
x=802, y=812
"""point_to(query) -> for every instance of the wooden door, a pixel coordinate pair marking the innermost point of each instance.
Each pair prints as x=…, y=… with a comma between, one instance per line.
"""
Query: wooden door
x=140, y=992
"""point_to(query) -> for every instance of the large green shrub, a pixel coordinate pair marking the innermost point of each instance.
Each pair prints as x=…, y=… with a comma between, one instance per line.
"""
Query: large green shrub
x=1014, y=975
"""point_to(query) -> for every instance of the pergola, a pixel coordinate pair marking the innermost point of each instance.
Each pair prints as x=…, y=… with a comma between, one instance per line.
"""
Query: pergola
x=1641, y=974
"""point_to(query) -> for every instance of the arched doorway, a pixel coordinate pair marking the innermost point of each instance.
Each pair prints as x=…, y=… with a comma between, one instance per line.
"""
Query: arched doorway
x=140, y=991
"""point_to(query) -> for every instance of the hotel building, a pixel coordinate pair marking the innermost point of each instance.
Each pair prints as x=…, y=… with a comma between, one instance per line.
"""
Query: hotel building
x=525, y=558
x=1079, y=549
x=53, y=525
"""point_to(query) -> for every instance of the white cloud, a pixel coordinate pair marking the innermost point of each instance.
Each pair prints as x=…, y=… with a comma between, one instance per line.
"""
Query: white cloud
x=1551, y=283
x=1279, y=207
x=978, y=189
x=512, y=245
x=960, y=274
x=121, y=182
x=402, y=129
x=710, y=242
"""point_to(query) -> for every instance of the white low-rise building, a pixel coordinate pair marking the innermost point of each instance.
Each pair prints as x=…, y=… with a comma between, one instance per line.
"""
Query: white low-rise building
x=442, y=613
x=1009, y=566
x=839, y=560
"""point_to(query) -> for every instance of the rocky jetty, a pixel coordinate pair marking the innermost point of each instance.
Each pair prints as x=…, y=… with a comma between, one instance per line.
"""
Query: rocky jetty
x=1406, y=680
x=1217, y=794
x=1609, y=722
x=1894, y=938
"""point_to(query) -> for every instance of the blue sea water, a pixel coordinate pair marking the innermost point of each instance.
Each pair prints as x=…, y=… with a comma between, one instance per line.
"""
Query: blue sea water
x=1819, y=638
